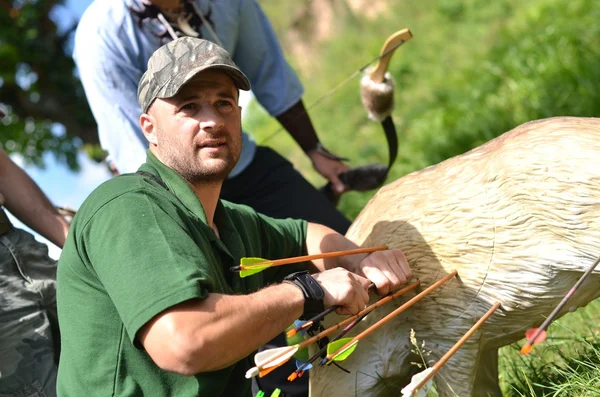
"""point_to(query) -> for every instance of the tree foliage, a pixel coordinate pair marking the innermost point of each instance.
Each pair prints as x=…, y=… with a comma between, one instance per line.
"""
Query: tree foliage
x=46, y=106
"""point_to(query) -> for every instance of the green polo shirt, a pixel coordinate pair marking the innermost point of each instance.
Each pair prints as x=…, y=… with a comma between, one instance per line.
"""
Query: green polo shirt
x=134, y=250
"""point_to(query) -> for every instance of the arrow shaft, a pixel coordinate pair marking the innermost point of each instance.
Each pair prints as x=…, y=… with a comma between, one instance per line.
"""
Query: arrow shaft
x=324, y=255
x=436, y=367
x=393, y=314
x=563, y=302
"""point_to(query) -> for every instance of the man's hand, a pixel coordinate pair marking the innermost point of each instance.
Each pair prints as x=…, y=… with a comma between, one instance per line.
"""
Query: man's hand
x=388, y=269
x=330, y=169
x=342, y=288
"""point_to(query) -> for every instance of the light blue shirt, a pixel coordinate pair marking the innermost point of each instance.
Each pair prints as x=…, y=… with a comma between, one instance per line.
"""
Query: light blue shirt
x=111, y=52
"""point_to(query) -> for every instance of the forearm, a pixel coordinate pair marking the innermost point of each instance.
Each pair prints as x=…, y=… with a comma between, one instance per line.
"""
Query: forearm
x=297, y=122
x=320, y=239
x=24, y=199
x=220, y=330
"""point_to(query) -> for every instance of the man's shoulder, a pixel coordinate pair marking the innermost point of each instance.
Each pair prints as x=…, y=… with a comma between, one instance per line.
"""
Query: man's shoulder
x=101, y=18
x=125, y=190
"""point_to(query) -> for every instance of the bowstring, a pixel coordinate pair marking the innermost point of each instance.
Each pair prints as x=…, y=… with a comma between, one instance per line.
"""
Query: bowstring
x=335, y=89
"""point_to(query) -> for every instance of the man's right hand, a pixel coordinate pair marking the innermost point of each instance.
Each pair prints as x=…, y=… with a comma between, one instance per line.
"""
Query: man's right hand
x=345, y=289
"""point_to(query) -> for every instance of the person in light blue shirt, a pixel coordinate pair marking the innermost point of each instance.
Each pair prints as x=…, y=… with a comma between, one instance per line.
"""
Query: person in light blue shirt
x=113, y=43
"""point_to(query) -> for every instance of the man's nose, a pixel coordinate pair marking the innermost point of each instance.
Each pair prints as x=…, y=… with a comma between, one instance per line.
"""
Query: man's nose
x=210, y=119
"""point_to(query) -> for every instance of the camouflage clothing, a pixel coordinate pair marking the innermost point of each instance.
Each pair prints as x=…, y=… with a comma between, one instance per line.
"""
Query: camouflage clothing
x=29, y=339
x=177, y=62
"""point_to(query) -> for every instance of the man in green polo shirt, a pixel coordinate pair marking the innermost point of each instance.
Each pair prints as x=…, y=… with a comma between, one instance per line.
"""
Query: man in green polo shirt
x=146, y=302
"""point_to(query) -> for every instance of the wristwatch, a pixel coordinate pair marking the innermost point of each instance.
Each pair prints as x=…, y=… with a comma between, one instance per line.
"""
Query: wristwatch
x=313, y=293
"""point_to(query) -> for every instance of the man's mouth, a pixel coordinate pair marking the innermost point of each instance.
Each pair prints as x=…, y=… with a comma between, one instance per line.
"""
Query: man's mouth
x=213, y=143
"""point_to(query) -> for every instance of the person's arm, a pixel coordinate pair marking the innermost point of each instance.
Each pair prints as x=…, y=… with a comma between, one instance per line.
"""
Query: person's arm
x=387, y=269
x=298, y=124
x=216, y=332
x=25, y=200
x=277, y=87
x=110, y=77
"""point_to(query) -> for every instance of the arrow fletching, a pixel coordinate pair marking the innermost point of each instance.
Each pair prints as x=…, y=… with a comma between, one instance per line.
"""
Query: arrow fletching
x=531, y=333
x=249, y=271
x=409, y=390
x=340, y=352
x=274, y=357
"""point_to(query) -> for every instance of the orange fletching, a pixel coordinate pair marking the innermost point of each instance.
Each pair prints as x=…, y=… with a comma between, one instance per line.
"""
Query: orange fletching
x=526, y=349
x=531, y=333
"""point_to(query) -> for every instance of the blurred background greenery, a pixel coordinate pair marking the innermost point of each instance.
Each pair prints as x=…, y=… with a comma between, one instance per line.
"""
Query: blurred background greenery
x=474, y=70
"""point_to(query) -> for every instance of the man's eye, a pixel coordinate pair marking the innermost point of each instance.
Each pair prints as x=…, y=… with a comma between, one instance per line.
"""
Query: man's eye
x=189, y=106
x=224, y=104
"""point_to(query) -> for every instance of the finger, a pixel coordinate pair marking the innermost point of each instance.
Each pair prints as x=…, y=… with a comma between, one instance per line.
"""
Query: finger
x=403, y=263
x=393, y=269
x=363, y=293
x=377, y=277
x=338, y=185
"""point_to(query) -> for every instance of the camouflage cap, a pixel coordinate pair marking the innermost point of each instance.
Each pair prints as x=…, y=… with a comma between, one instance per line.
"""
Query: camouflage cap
x=177, y=62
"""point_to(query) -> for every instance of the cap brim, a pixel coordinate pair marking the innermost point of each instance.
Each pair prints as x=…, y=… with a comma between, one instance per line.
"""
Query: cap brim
x=175, y=83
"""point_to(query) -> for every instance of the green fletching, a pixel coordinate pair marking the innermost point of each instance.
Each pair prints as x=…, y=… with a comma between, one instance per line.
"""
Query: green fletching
x=251, y=261
x=337, y=345
x=334, y=347
x=249, y=266
x=253, y=270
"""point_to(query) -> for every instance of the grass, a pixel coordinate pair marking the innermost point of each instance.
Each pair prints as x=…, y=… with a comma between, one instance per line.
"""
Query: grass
x=566, y=364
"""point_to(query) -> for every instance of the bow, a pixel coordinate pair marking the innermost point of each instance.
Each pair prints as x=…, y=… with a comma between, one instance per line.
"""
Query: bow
x=377, y=96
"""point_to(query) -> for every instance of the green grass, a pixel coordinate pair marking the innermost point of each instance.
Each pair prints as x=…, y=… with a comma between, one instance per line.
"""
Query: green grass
x=566, y=364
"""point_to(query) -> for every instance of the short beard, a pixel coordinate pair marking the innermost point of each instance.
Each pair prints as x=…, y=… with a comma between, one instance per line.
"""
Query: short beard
x=196, y=177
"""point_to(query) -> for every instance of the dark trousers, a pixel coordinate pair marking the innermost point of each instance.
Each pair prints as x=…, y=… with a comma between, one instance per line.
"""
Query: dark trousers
x=272, y=186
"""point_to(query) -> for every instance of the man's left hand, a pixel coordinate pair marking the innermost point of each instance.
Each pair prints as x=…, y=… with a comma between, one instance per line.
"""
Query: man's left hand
x=388, y=270
x=330, y=169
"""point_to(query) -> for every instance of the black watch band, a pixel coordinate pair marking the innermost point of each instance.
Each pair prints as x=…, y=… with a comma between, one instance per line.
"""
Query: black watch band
x=313, y=293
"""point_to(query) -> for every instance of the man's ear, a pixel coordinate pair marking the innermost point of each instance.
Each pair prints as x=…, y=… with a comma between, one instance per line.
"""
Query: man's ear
x=149, y=127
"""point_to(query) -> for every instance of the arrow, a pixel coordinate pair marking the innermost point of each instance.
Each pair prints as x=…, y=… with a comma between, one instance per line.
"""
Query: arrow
x=419, y=381
x=348, y=345
x=538, y=335
x=309, y=323
x=267, y=360
x=308, y=364
x=250, y=266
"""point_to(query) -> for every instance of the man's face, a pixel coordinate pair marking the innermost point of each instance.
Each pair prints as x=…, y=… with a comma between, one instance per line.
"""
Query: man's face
x=198, y=131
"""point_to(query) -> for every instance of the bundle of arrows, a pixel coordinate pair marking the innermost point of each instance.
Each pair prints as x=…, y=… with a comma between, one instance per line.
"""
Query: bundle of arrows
x=340, y=348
